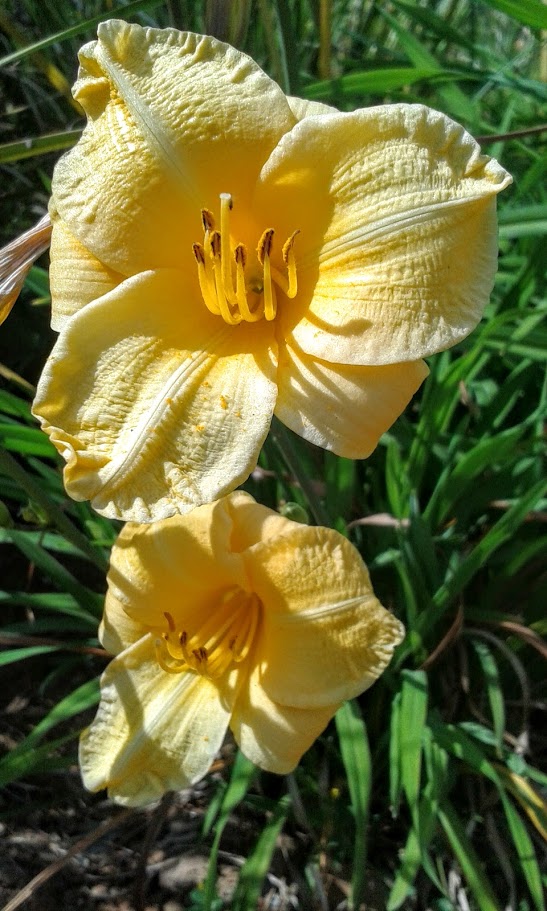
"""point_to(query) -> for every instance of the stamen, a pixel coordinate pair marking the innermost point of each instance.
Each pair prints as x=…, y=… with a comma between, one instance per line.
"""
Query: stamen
x=206, y=280
x=224, y=639
x=250, y=316
x=207, y=220
x=226, y=206
x=224, y=288
x=170, y=621
x=231, y=318
x=263, y=253
x=290, y=261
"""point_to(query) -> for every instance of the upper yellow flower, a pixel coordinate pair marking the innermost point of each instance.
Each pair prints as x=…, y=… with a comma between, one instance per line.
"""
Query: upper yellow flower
x=222, y=252
x=229, y=615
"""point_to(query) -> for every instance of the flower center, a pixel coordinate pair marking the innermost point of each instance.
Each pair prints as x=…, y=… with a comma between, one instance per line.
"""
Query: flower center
x=222, y=269
x=225, y=638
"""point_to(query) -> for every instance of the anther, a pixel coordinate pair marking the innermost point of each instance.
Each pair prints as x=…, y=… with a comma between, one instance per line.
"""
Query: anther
x=170, y=621
x=207, y=220
x=265, y=245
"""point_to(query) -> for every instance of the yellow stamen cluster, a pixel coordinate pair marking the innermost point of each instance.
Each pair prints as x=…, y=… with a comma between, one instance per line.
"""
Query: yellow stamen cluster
x=225, y=638
x=221, y=271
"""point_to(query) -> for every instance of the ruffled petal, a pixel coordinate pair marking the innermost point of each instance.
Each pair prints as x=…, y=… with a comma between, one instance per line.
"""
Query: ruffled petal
x=154, y=731
x=252, y=522
x=324, y=636
x=345, y=409
x=178, y=565
x=274, y=736
x=302, y=108
x=76, y=277
x=397, y=248
x=174, y=119
x=156, y=405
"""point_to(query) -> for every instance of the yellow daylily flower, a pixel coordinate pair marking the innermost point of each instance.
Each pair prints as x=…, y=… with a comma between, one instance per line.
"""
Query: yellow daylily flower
x=222, y=252
x=16, y=259
x=232, y=616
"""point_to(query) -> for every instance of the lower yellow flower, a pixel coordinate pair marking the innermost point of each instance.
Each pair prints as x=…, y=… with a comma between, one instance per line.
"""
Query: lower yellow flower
x=228, y=616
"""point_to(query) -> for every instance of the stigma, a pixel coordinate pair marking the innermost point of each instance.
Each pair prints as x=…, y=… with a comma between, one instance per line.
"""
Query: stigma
x=222, y=641
x=233, y=286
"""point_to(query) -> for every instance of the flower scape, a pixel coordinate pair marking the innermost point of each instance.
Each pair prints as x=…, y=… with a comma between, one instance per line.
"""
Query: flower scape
x=221, y=253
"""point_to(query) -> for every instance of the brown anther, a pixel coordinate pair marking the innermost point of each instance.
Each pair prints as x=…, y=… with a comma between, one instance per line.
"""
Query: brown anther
x=288, y=245
x=240, y=255
x=232, y=643
x=207, y=220
x=265, y=245
x=199, y=253
x=183, y=638
x=215, y=243
x=200, y=654
x=170, y=621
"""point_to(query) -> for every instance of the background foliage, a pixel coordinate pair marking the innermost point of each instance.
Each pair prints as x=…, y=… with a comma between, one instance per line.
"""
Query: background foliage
x=428, y=792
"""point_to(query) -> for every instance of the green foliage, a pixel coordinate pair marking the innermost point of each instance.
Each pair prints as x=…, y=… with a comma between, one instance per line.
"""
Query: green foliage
x=448, y=512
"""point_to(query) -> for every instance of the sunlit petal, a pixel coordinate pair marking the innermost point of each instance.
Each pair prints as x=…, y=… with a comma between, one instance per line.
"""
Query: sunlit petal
x=325, y=637
x=154, y=731
x=174, y=120
x=271, y=735
x=156, y=405
x=176, y=565
x=302, y=108
x=343, y=408
x=76, y=277
x=398, y=232
x=253, y=522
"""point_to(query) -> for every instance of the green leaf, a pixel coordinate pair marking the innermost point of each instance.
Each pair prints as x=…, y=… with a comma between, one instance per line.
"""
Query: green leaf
x=529, y=12
x=88, y=25
x=467, y=857
x=256, y=866
x=38, y=145
x=27, y=754
x=414, y=701
x=243, y=774
x=17, y=654
x=355, y=750
x=493, y=689
x=526, y=854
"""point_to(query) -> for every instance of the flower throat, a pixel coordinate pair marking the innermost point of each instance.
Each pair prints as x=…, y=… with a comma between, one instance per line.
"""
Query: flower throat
x=222, y=271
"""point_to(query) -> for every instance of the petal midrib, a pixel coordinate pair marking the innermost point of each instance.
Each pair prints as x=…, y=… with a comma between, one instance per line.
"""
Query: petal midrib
x=152, y=129
x=122, y=465
x=384, y=227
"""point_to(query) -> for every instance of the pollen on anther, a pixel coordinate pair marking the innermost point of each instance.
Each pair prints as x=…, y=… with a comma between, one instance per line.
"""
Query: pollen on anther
x=265, y=245
x=199, y=253
x=208, y=220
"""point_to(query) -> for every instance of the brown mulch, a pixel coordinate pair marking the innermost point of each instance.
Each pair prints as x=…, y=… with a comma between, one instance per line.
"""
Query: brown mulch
x=105, y=858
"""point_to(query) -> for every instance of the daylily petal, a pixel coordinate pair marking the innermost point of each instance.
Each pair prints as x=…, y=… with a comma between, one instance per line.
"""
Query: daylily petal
x=343, y=408
x=398, y=232
x=177, y=565
x=253, y=522
x=156, y=405
x=324, y=636
x=76, y=277
x=154, y=731
x=302, y=108
x=274, y=736
x=174, y=120
x=117, y=630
